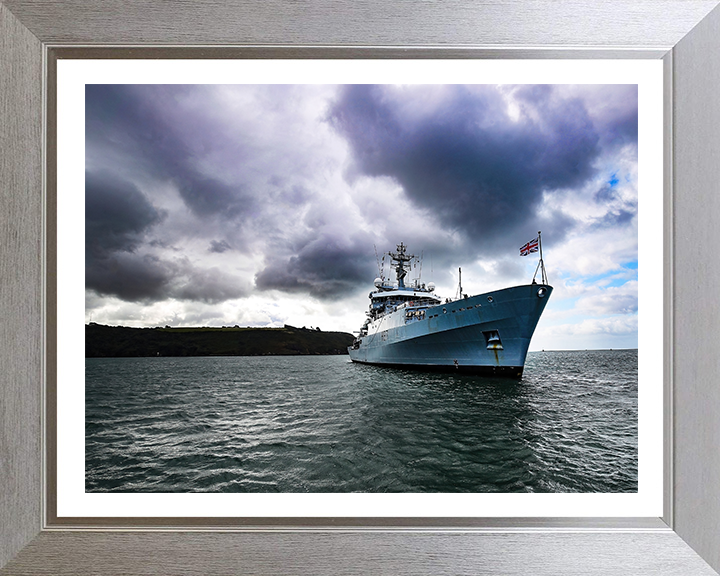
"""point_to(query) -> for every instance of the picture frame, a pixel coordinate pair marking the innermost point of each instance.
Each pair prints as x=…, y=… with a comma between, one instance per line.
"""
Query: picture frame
x=686, y=540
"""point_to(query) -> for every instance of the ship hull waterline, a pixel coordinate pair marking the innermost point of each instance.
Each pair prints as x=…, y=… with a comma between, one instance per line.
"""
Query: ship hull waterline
x=486, y=334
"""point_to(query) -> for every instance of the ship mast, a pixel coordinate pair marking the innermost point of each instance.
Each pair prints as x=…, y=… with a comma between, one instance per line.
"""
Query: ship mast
x=401, y=258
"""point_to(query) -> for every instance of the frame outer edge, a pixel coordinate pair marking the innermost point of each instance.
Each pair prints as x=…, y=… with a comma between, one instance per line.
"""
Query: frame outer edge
x=371, y=22
x=20, y=250
x=318, y=554
x=20, y=284
x=696, y=110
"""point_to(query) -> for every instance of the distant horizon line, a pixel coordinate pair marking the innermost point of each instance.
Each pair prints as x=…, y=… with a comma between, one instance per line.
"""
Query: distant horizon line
x=582, y=350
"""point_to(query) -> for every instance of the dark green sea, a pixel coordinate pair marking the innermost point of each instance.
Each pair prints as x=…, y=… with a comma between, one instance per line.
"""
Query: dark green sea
x=324, y=424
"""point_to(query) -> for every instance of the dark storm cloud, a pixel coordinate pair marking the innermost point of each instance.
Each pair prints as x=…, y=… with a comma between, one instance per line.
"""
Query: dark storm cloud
x=130, y=277
x=118, y=221
x=622, y=128
x=219, y=246
x=467, y=162
x=117, y=214
x=117, y=218
x=147, y=278
x=326, y=267
x=148, y=130
x=615, y=114
x=617, y=218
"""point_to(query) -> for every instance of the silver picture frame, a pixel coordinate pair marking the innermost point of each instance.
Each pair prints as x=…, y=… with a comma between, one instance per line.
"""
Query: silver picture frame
x=685, y=34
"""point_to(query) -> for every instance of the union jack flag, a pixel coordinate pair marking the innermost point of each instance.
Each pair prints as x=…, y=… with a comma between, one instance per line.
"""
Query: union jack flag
x=531, y=246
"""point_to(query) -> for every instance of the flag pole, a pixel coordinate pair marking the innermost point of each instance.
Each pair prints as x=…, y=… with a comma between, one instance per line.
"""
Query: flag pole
x=542, y=264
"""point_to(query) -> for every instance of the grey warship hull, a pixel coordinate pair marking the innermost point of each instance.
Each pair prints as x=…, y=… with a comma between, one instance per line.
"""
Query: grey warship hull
x=487, y=333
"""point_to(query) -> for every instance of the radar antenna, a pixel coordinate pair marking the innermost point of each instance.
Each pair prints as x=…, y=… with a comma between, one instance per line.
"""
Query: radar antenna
x=401, y=258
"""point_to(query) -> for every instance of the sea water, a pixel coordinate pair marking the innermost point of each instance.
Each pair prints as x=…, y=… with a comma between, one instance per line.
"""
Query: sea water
x=324, y=424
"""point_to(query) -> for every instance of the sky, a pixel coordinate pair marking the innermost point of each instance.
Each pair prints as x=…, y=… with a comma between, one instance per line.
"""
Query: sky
x=264, y=205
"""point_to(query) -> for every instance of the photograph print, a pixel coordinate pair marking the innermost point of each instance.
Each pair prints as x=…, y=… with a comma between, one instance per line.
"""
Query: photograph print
x=413, y=288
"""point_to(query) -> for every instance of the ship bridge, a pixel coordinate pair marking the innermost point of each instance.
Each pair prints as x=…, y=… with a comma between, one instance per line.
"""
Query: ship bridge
x=405, y=296
x=389, y=297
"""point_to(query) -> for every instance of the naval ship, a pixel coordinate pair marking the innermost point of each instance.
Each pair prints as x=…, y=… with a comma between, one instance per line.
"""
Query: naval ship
x=409, y=326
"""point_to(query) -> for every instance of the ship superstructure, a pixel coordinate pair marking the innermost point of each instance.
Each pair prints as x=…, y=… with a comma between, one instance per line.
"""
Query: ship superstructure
x=411, y=326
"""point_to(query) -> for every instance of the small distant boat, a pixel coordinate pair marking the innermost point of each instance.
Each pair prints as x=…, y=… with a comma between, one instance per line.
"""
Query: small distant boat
x=412, y=327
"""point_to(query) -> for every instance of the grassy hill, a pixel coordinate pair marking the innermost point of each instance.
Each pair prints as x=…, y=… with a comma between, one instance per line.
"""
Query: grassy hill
x=119, y=341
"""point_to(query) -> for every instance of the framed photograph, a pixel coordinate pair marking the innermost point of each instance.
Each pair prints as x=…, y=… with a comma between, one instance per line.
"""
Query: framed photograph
x=656, y=515
x=284, y=240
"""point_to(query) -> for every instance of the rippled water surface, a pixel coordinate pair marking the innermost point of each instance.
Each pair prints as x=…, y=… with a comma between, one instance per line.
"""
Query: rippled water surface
x=324, y=424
